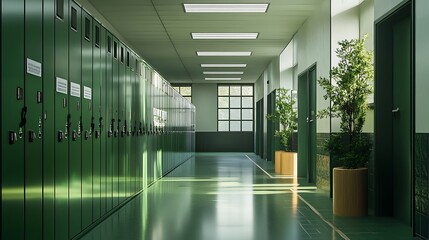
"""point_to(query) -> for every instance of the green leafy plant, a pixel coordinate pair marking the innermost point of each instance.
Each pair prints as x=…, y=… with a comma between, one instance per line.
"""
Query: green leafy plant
x=352, y=83
x=284, y=114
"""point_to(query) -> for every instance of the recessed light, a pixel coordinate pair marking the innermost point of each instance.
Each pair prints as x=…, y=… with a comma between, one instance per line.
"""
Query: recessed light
x=224, y=65
x=224, y=54
x=224, y=35
x=226, y=8
x=223, y=79
x=224, y=73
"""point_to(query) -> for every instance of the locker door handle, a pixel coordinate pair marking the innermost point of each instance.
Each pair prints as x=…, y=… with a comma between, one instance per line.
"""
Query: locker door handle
x=13, y=137
x=31, y=136
x=395, y=110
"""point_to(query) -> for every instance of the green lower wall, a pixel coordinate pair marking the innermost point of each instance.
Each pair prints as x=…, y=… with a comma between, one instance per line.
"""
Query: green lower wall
x=421, y=185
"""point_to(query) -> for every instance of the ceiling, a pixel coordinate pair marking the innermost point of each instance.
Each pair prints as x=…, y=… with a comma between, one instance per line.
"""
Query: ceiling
x=160, y=31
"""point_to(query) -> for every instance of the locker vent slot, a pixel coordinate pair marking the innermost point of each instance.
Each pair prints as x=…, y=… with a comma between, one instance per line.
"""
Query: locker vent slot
x=109, y=44
x=74, y=19
x=115, y=50
x=97, y=36
x=122, y=55
x=60, y=9
x=87, y=29
x=128, y=59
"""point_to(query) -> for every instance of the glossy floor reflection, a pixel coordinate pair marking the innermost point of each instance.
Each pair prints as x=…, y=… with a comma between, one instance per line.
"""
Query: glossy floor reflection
x=222, y=196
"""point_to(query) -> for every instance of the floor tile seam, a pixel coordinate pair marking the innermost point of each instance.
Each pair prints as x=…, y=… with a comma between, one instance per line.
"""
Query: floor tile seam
x=263, y=170
x=344, y=236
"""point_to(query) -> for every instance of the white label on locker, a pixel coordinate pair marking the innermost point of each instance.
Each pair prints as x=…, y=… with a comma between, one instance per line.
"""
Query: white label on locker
x=34, y=68
x=62, y=85
x=74, y=89
x=87, y=93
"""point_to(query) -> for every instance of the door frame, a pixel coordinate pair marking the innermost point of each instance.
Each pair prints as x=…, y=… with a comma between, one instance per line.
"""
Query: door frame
x=383, y=166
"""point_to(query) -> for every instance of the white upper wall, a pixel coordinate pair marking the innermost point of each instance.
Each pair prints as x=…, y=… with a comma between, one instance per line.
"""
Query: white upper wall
x=312, y=43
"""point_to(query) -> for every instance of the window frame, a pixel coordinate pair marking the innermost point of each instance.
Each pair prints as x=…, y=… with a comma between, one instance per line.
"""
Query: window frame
x=180, y=86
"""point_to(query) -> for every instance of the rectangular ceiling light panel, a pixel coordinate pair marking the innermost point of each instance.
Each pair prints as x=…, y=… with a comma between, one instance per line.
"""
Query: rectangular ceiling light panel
x=222, y=73
x=224, y=36
x=226, y=8
x=223, y=79
x=223, y=54
x=223, y=65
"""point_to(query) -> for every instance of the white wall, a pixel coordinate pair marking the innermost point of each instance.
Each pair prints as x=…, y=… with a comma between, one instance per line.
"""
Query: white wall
x=422, y=69
x=204, y=97
x=381, y=7
x=312, y=43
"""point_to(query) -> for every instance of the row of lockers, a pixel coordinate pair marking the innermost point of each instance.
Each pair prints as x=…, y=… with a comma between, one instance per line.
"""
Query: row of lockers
x=86, y=124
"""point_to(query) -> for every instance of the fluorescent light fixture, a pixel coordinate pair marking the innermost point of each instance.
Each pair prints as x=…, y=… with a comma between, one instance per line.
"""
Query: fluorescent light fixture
x=223, y=54
x=223, y=79
x=224, y=65
x=224, y=35
x=226, y=8
x=224, y=73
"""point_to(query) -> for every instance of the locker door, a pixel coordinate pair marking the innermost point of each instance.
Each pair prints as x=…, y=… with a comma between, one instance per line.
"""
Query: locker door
x=88, y=125
x=143, y=97
x=62, y=119
x=12, y=143
x=102, y=120
x=48, y=121
x=33, y=126
x=95, y=121
x=110, y=121
x=75, y=115
x=135, y=120
x=127, y=99
x=116, y=122
x=122, y=123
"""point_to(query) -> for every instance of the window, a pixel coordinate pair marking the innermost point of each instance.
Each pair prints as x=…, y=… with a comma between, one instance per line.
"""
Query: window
x=97, y=36
x=74, y=19
x=235, y=108
x=185, y=91
x=122, y=54
x=115, y=49
x=87, y=29
x=109, y=44
x=60, y=9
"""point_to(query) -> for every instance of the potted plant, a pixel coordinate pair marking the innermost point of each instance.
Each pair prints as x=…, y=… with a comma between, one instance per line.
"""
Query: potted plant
x=286, y=116
x=350, y=149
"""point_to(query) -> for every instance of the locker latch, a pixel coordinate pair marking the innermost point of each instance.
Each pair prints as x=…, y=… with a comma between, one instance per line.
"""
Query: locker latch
x=60, y=136
x=97, y=134
x=39, y=97
x=74, y=135
x=13, y=137
x=31, y=136
x=86, y=134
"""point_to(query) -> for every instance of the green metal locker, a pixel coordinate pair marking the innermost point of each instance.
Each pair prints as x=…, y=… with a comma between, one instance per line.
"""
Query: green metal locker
x=62, y=118
x=33, y=126
x=87, y=122
x=128, y=122
x=95, y=121
x=75, y=115
x=117, y=123
x=102, y=121
x=122, y=123
x=48, y=119
x=110, y=121
x=12, y=116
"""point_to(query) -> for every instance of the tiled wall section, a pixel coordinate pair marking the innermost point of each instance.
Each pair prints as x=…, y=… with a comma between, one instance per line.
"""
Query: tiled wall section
x=421, y=187
x=322, y=163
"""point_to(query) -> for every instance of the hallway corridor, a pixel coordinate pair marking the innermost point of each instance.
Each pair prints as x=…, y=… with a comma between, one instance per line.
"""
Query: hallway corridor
x=226, y=196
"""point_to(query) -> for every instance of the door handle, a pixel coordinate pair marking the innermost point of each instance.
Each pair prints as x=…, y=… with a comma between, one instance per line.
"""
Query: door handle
x=395, y=110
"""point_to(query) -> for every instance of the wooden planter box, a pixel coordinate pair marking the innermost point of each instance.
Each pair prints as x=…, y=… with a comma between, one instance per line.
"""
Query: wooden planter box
x=278, y=161
x=288, y=163
x=350, y=192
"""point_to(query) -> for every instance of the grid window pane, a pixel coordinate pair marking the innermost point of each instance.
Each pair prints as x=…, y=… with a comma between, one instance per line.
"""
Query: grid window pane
x=235, y=102
x=189, y=98
x=177, y=88
x=223, y=126
x=223, y=114
x=235, y=126
x=247, y=126
x=223, y=90
x=186, y=91
x=235, y=114
x=247, y=91
x=235, y=90
x=247, y=102
x=247, y=114
x=223, y=102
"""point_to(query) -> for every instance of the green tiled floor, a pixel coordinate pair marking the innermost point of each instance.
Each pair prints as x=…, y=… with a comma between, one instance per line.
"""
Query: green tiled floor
x=222, y=196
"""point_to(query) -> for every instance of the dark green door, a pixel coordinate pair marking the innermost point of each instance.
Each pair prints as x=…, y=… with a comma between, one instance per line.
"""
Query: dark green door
x=401, y=121
x=272, y=126
x=307, y=124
